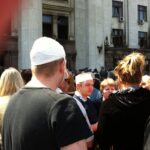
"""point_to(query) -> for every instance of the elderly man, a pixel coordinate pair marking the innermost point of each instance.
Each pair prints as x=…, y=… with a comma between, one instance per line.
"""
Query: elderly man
x=37, y=117
x=84, y=88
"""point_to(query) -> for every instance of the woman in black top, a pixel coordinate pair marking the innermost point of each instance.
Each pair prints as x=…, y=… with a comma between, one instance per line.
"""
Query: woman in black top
x=123, y=116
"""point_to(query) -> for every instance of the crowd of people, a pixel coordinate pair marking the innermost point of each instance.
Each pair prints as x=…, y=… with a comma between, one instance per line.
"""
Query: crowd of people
x=49, y=107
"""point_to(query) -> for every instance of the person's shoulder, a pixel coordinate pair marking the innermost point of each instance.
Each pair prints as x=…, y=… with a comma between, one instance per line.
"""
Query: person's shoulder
x=58, y=95
x=60, y=98
x=144, y=90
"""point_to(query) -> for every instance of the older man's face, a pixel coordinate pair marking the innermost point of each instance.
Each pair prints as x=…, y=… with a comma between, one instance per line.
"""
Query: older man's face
x=86, y=88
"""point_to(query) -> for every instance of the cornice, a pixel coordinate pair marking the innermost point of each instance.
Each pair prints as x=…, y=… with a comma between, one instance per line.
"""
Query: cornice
x=57, y=8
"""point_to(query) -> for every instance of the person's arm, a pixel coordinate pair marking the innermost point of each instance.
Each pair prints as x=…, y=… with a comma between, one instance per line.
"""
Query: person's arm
x=69, y=124
x=79, y=145
x=89, y=144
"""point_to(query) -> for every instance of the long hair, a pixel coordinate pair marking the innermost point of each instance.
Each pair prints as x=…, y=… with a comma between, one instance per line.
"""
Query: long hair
x=10, y=82
x=130, y=69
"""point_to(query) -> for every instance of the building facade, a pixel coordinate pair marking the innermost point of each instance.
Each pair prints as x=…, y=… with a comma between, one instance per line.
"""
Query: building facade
x=110, y=30
x=94, y=33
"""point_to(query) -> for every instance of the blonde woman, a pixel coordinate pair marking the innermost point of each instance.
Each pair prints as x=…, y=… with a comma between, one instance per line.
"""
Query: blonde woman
x=124, y=114
x=10, y=82
x=107, y=86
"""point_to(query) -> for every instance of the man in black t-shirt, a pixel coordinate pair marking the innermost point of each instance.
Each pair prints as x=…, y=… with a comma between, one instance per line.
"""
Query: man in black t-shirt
x=37, y=118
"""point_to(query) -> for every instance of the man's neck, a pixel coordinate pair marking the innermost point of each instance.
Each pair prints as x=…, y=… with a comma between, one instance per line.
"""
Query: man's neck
x=49, y=82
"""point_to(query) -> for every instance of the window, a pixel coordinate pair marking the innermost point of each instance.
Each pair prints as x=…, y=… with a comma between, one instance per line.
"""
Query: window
x=117, y=37
x=55, y=27
x=62, y=26
x=142, y=39
x=47, y=25
x=117, y=9
x=142, y=13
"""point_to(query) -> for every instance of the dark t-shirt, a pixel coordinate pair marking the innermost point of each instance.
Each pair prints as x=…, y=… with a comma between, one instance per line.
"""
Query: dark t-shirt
x=40, y=119
x=90, y=108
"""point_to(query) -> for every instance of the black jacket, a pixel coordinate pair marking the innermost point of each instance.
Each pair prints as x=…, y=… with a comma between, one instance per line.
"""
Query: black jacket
x=122, y=119
x=146, y=145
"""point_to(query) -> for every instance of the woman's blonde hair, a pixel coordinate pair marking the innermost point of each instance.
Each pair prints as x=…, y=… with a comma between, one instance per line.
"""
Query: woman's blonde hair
x=107, y=82
x=10, y=82
x=130, y=69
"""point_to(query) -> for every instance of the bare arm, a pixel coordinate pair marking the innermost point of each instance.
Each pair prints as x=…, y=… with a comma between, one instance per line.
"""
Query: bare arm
x=89, y=144
x=79, y=145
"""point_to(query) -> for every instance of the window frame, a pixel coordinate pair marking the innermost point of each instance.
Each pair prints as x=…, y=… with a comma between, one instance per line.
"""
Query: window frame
x=61, y=24
x=117, y=9
x=47, y=23
x=55, y=25
x=118, y=35
x=145, y=37
x=142, y=11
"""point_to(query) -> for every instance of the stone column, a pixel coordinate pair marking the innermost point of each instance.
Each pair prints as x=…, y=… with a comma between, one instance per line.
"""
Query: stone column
x=98, y=28
x=30, y=28
x=81, y=33
x=72, y=22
